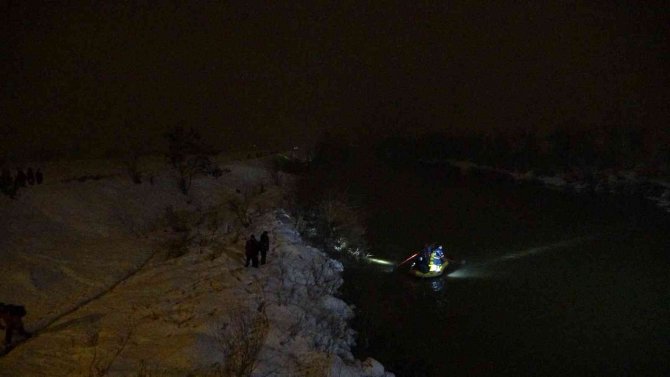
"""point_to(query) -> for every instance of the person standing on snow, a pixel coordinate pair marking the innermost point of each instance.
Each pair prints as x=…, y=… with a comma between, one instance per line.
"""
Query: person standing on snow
x=20, y=179
x=6, y=181
x=39, y=177
x=264, y=246
x=30, y=176
x=11, y=321
x=251, y=250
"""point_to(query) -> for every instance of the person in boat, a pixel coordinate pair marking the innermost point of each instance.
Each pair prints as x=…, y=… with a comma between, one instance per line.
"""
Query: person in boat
x=422, y=262
x=436, y=259
x=438, y=255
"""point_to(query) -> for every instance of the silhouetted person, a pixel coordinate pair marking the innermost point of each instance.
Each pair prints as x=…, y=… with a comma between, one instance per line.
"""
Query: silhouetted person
x=6, y=181
x=11, y=320
x=30, y=176
x=264, y=246
x=39, y=177
x=20, y=179
x=423, y=259
x=251, y=250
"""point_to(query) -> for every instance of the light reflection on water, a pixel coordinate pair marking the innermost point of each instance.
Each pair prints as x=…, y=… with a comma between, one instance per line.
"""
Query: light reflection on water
x=469, y=272
x=525, y=302
x=437, y=285
x=541, y=249
x=490, y=269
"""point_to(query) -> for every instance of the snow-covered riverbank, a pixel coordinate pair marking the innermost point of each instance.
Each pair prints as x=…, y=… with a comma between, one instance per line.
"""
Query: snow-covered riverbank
x=625, y=182
x=90, y=262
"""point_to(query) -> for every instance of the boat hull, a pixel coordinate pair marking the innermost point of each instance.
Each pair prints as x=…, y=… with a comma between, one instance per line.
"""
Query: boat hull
x=430, y=274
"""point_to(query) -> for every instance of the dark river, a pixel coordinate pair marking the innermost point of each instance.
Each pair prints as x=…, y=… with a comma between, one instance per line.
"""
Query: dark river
x=555, y=284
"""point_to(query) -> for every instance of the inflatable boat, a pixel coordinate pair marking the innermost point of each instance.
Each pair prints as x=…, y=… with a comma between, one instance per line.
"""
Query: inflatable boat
x=433, y=271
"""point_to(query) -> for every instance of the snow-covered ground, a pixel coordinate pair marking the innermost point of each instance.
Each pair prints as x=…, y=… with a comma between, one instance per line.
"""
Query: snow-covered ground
x=90, y=262
x=613, y=182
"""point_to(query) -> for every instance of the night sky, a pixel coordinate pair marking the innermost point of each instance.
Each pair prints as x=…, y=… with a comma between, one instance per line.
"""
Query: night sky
x=86, y=77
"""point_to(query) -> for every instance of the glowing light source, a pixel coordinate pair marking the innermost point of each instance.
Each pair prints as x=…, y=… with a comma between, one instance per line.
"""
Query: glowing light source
x=380, y=261
x=459, y=274
x=470, y=273
x=538, y=250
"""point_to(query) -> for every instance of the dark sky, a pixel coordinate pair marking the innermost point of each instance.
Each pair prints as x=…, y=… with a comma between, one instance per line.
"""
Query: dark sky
x=244, y=72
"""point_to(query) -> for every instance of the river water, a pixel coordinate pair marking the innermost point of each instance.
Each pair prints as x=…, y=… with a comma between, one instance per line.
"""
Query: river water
x=554, y=284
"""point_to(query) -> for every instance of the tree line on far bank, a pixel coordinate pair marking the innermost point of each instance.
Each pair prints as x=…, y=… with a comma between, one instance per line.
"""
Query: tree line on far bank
x=546, y=153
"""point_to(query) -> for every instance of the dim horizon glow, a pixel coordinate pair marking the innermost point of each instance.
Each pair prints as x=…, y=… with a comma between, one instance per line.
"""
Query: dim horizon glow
x=247, y=73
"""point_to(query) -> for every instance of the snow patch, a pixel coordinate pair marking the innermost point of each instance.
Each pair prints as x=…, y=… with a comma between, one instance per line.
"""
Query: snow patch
x=66, y=244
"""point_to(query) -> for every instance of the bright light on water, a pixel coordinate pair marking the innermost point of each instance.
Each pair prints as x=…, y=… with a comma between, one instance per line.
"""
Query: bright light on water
x=459, y=274
x=537, y=250
x=468, y=273
x=485, y=269
x=381, y=261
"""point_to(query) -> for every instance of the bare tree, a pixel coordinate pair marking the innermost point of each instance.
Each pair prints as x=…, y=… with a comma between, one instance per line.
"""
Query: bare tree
x=240, y=339
x=240, y=207
x=99, y=365
x=188, y=156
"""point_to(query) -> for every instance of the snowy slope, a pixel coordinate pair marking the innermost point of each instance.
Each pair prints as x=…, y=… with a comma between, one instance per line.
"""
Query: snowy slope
x=87, y=260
